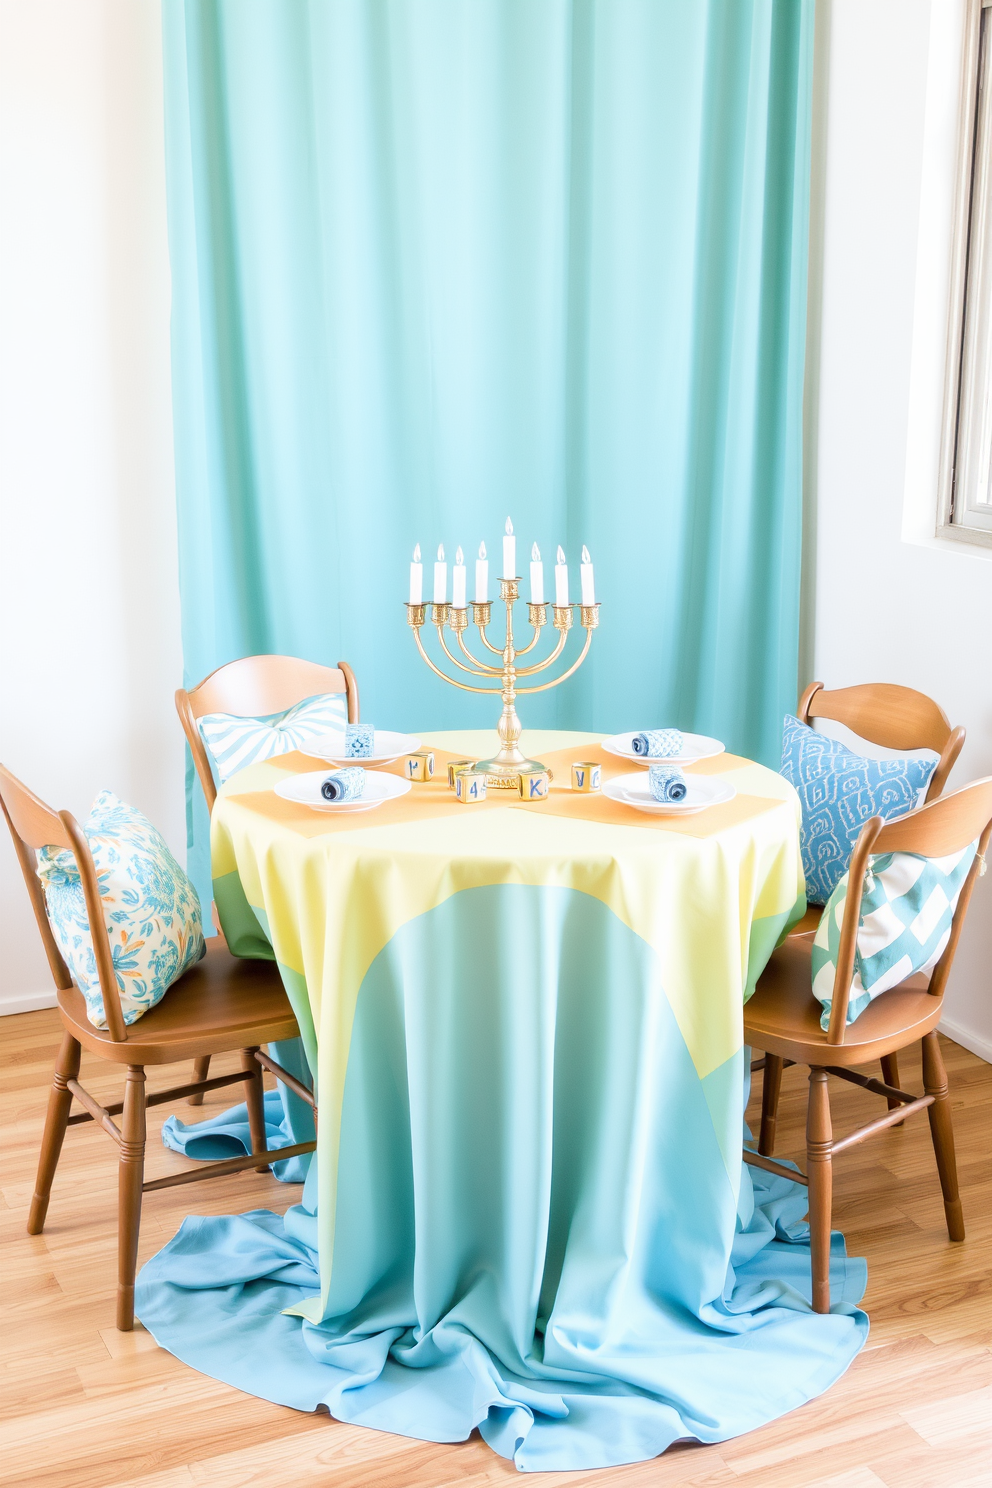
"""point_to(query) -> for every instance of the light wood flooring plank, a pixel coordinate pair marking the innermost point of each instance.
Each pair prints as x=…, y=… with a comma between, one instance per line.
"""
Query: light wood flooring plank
x=83, y=1406
x=944, y=1421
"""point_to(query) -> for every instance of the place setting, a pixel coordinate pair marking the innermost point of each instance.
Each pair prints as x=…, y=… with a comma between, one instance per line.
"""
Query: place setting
x=353, y=786
x=664, y=788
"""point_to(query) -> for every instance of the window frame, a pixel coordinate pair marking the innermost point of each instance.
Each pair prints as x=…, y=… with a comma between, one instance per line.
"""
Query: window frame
x=967, y=380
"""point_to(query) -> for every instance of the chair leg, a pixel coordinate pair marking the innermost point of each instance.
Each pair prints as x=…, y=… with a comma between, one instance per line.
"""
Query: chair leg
x=59, y=1101
x=942, y=1133
x=771, y=1084
x=201, y=1069
x=890, y=1074
x=819, y=1171
x=255, y=1101
x=130, y=1175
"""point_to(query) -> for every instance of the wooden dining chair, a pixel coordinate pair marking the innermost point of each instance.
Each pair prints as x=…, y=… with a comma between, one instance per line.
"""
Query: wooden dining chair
x=892, y=717
x=782, y=1019
x=220, y=1004
x=895, y=718
x=254, y=687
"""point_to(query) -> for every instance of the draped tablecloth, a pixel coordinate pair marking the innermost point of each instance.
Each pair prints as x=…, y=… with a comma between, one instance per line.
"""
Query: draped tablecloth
x=528, y=1210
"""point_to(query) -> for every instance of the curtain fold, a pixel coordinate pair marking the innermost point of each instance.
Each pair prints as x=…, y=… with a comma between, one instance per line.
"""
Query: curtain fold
x=435, y=262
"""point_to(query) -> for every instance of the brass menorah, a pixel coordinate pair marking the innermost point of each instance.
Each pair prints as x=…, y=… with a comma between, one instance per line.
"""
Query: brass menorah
x=503, y=770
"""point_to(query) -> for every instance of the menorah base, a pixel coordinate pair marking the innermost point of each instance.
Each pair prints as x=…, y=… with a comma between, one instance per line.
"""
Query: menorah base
x=504, y=774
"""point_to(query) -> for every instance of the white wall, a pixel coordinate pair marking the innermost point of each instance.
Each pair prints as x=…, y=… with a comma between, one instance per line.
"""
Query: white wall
x=89, y=606
x=891, y=602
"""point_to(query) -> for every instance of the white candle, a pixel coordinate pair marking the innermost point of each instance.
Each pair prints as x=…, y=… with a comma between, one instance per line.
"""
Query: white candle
x=561, y=581
x=458, y=581
x=482, y=576
x=440, y=577
x=536, y=576
x=509, y=552
x=585, y=574
x=416, y=578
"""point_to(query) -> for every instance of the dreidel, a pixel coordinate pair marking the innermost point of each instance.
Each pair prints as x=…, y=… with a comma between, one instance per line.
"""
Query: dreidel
x=419, y=766
x=533, y=785
x=469, y=788
x=587, y=776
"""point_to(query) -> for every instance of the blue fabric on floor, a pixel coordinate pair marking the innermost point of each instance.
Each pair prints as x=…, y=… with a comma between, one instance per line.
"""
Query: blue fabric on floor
x=543, y=1227
x=232, y=1277
x=288, y=1122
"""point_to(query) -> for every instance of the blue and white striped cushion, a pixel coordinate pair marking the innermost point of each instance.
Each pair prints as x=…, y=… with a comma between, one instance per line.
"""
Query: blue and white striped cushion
x=907, y=906
x=234, y=743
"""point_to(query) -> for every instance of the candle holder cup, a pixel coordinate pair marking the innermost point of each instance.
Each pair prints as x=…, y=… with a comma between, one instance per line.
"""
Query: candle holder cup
x=503, y=771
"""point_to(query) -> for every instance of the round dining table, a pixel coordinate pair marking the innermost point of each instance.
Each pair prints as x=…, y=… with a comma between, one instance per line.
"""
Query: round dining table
x=528, y=1212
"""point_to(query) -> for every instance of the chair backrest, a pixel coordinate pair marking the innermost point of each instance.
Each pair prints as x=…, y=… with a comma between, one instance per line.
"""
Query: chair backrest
x=34, y=825
x=894, y=717
x=937, y=829
x=254, y=687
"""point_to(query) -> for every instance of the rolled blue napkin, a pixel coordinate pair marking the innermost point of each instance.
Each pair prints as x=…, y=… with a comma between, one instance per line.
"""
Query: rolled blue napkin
x=359, y=740
x=667, y=783
x=658, y=743
x=344, y=785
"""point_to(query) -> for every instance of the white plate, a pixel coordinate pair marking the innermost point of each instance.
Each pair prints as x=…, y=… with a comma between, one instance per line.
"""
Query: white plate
x=694, y=747
x=305, y=791
x=703, y=790
x=388, y=746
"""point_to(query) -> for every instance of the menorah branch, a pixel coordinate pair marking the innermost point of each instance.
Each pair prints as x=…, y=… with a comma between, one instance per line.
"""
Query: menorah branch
x=486, y=669
x=465, y=686
x=477, y=670
x=540, y=666
x=543, y=687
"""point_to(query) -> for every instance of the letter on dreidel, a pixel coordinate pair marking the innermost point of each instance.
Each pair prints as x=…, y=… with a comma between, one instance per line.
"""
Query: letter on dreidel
x=469, y=788
x=533, y=785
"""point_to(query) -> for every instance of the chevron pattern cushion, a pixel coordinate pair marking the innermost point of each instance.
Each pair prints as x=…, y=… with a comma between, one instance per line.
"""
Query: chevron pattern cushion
x=233, y=742
x=907, y=906
x=839, y=791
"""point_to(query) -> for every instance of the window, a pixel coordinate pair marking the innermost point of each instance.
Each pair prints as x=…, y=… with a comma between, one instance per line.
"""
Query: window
x=966, y=505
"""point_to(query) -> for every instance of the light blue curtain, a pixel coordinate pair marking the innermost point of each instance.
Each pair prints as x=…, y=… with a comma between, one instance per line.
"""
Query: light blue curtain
x=438, y=261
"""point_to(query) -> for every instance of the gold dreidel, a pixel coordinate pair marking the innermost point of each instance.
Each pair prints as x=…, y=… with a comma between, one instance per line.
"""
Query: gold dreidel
x=469, y=787
x=455, y=767
x=587, y=776
x=419, y=766
x=533, y=784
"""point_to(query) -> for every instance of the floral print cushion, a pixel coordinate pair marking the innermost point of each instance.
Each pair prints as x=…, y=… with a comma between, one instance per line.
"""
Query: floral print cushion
x=150, y=906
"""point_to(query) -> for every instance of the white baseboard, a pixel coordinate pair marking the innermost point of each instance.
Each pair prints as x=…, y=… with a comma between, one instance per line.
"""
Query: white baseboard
x=967, y=1038
x=25, y=1002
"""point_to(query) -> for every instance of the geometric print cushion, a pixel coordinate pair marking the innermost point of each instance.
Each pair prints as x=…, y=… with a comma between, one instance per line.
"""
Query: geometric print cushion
x=234, y=743
x=838, y=791
x=906, y=911
x=150, y=907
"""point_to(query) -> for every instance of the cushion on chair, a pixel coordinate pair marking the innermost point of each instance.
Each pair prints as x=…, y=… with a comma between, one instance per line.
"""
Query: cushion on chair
x=783, y=1017
x=839, y=791
x=907, y=906
x=151, y=909
x=234, y=743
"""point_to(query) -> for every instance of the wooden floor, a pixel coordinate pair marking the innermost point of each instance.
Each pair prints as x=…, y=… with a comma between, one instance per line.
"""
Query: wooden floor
x=82, y=1404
